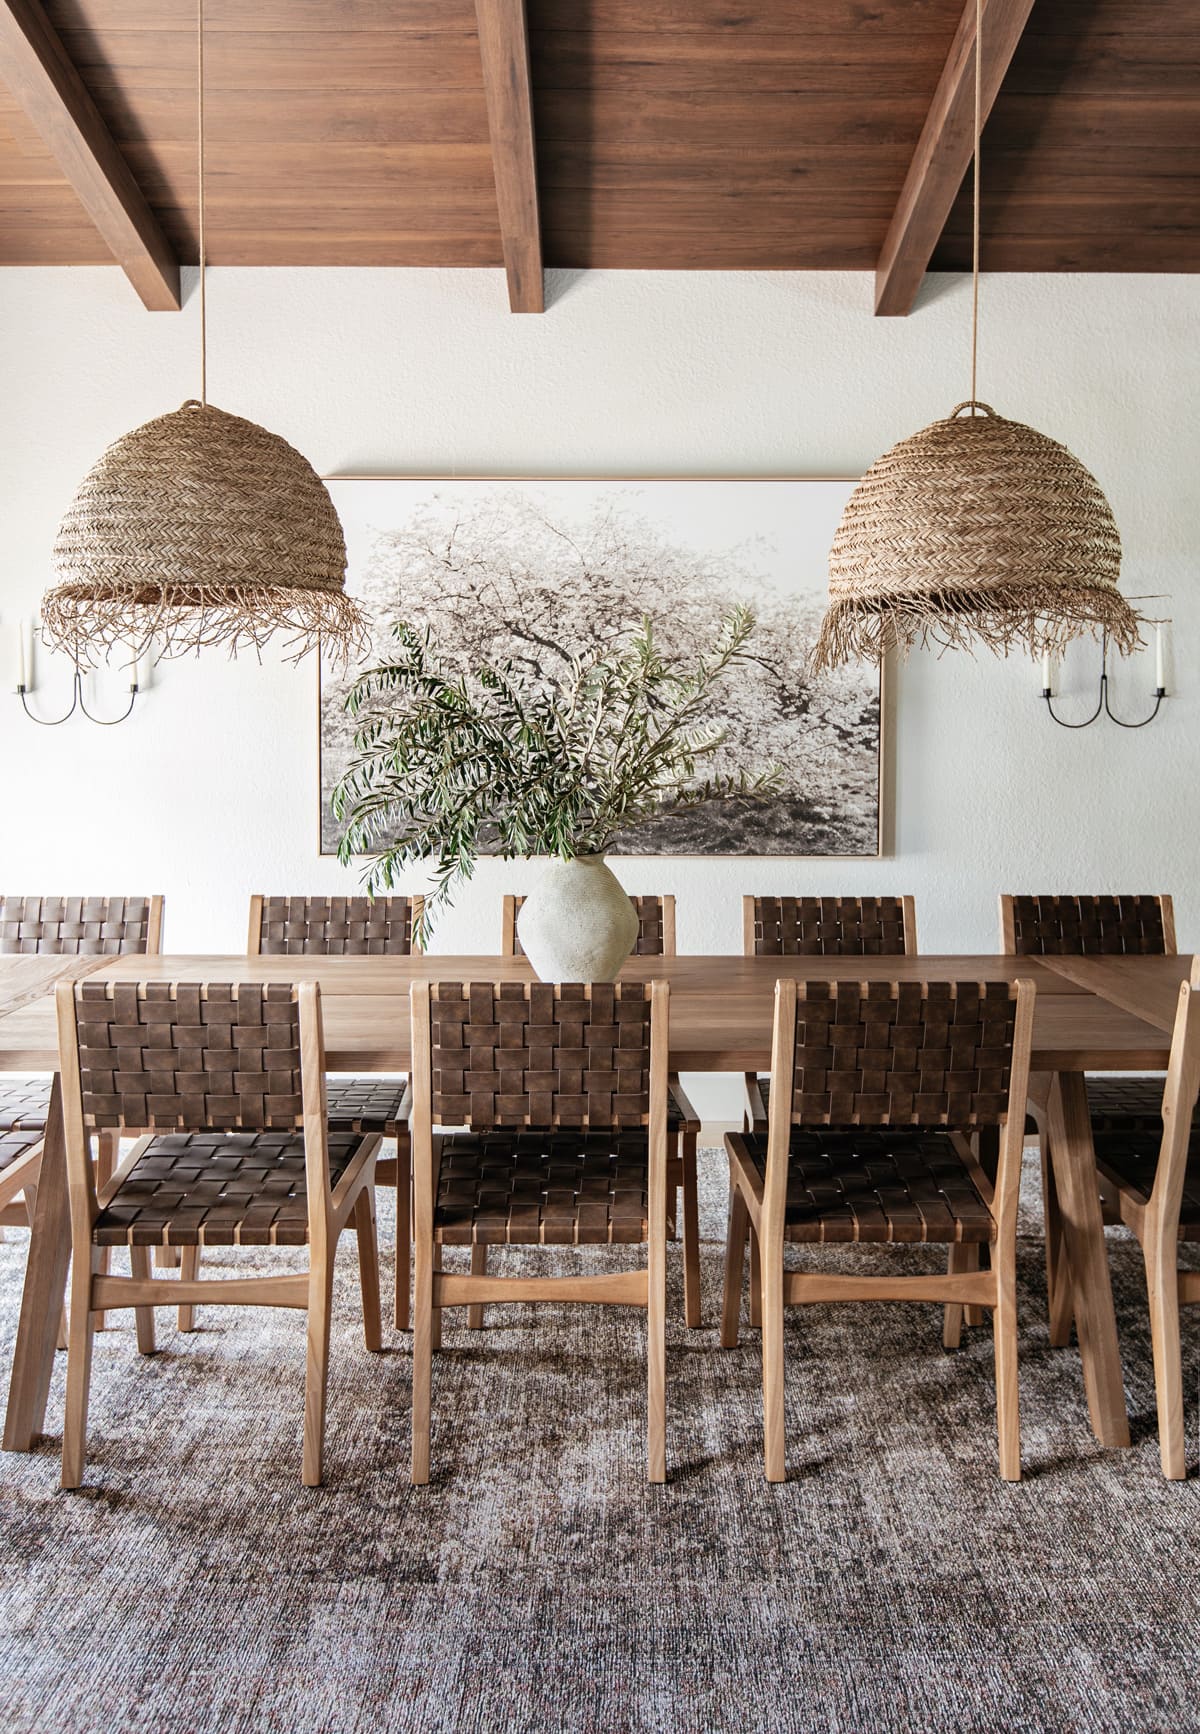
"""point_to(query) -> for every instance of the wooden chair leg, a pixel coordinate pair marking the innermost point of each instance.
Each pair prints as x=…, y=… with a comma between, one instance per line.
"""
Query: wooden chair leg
x=755, y=1282
x=79, y=1371
x=422, y=1363
x=952, y=1313
x=435, y=1327
x=403, y=1230
x=772, y=1367
x=368, y=1269
x=479, y=1263
x=139, y=1267
x=1162, y=1283
x=108, y=1149
x=1059, y=1291
x=692, y=1310
x=656, y=1355
x=189, y=1267
x=1004, y=1338
x=735, y=1264
x=316, y=1377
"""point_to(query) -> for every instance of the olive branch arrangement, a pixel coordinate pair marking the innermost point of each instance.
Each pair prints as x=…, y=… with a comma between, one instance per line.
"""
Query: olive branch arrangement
x=450, y=763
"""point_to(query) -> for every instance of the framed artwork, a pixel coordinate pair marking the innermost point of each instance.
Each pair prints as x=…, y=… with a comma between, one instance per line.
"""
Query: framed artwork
x=536, y=571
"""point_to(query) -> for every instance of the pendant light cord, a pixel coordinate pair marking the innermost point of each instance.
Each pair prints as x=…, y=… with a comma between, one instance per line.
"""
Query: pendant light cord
x=975, y=202
x=200, y=179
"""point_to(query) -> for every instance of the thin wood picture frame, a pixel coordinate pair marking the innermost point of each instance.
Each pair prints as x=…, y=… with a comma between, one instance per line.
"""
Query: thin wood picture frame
x=424, y=495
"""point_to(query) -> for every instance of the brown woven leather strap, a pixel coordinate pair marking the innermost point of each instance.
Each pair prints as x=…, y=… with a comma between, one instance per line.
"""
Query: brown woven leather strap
x=218, y=1189
x=188, y=1056
x=1088, y=926
x=903, y=1053
x=336, y=926
x=535, y=1054
x=84, y=926
x=563, y=1188
x=829, y=927
x=877, y=1187
x=650, y=941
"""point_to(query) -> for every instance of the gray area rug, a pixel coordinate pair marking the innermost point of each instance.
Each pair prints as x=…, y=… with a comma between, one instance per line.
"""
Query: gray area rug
x=893, y=1583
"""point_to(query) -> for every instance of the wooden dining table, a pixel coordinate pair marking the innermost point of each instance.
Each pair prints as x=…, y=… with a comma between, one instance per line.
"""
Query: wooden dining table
x=1090, y=1017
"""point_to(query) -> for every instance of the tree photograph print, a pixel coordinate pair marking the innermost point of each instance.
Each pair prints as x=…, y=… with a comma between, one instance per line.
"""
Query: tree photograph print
x=539, y=572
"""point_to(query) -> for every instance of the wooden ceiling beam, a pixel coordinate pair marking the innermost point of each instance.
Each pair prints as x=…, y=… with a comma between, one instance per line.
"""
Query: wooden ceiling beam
x=46, y=85
x=504, y=50
x=944, y=149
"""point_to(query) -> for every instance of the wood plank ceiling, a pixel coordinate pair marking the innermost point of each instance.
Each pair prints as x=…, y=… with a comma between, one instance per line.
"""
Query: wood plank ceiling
x=677, y=134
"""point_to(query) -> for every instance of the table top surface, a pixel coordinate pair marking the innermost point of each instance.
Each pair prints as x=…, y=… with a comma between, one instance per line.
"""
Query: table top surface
x=720, y=1011
x=1146, y=986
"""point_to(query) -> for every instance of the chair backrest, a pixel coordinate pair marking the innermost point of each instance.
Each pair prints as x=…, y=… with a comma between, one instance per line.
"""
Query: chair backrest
x=906, y=1053
x=83, y=926
x=189, y=1057
x=829, y=927
x=656, y=927
x=333, y=926
x=539, y=1054
x=1091, y=926
x=1179, y=1103
x=948, y=1054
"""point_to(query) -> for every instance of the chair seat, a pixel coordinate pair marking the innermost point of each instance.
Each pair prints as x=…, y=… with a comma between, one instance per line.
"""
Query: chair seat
x=877, y=1186
x=16, y=1143
x=526, y=1188
x=370, y=1104
x=1129, y=1161
x=24, y=1104
x=218, y=1189
x=1128, y=1104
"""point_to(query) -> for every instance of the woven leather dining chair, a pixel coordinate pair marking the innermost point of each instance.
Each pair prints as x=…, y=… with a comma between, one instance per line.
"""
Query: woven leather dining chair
x=563, y=1094
x=656, y=938
x=1150, y=1181
x=231, y=1083
x=876, y=1089
x=355, y=927
x=60, y=927
x=1086, y=926
x=816, y=927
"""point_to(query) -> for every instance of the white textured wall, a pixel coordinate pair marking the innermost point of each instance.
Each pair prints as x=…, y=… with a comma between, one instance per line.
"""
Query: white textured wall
x=208, y=793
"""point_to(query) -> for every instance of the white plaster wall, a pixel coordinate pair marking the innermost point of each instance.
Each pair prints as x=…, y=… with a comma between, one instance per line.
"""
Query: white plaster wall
x=208, y=793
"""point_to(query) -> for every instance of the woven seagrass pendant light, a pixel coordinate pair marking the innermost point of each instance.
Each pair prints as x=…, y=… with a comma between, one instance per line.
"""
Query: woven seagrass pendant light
x=200, y=528
x=976, y=529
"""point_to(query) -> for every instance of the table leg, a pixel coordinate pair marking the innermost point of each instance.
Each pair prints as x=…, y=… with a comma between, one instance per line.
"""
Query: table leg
x=1074, y=1159
x=45, y=1284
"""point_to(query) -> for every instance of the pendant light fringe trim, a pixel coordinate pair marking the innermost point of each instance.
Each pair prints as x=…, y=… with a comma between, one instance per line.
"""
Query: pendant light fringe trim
x=1002, y=618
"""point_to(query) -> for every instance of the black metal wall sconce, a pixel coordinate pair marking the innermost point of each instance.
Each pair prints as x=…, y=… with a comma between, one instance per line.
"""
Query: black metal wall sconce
x=1103, y=707
x=25, y=685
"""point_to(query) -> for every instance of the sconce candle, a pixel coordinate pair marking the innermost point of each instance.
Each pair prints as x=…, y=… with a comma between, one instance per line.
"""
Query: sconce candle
x=24, y=653
x=1047, y=671
x=1159, y=663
